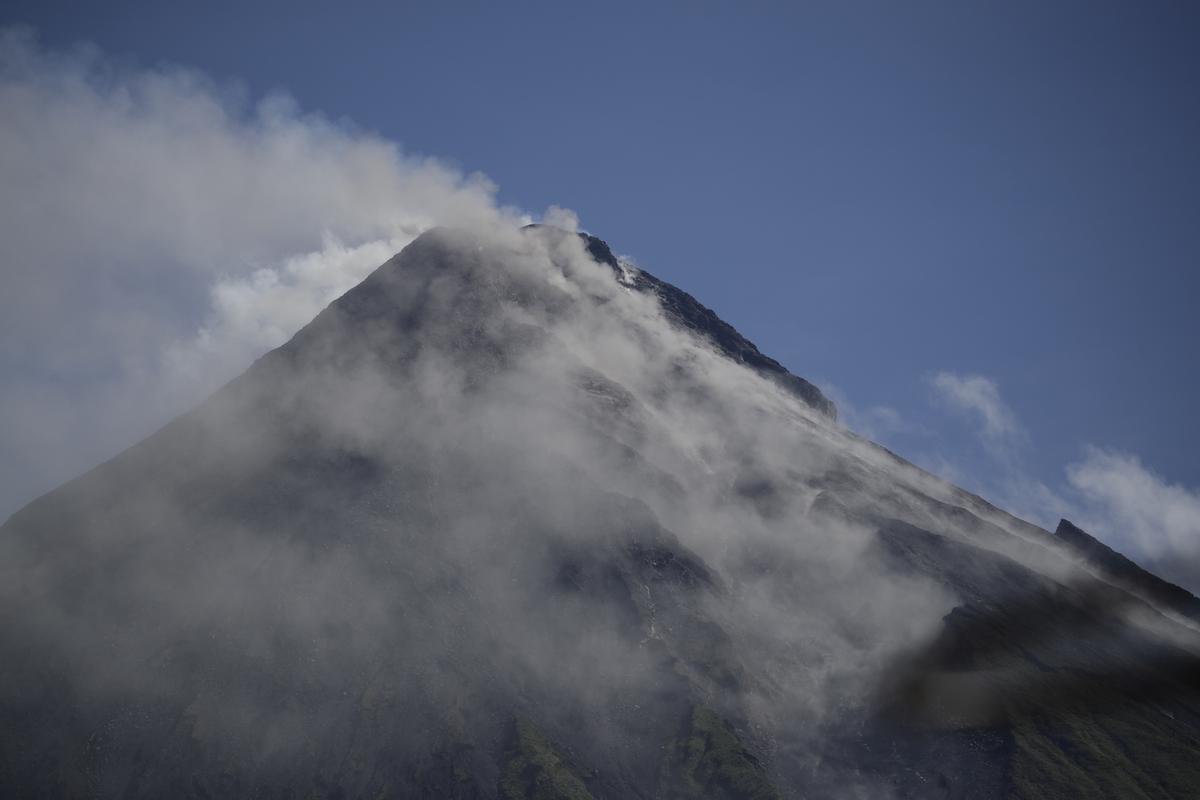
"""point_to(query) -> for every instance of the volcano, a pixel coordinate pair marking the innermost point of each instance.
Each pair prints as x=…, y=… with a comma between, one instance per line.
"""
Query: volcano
x=513, y=518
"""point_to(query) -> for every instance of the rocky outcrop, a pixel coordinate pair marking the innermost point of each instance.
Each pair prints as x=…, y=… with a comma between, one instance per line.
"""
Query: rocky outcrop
x=1126, y=573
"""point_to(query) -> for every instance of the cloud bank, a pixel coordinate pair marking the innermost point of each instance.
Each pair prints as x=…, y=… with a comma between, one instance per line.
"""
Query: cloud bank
x=158, y=231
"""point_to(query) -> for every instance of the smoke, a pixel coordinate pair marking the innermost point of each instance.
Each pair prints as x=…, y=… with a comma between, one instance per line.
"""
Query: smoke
x=158, y=231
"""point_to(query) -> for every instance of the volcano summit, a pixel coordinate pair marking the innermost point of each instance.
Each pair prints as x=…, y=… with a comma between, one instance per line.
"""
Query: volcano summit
x=513, y=518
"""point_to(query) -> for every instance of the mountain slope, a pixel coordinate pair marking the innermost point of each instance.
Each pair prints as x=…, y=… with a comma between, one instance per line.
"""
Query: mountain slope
x=1120, y=570
x=513, y=518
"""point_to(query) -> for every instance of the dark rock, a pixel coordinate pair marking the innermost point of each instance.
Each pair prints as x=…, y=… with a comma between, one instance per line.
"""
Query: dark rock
x=1124, y=572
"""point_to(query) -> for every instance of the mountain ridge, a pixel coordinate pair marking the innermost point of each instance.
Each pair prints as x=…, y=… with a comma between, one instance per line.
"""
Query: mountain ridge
x=689, y=312
x=1126, y=573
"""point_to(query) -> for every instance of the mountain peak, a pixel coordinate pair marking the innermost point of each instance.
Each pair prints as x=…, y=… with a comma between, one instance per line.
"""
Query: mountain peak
x=596, y=247
x=491, y=525
x=687, y=312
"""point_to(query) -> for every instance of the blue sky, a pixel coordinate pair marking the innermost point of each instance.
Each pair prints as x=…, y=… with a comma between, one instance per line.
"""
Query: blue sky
x=951, y=213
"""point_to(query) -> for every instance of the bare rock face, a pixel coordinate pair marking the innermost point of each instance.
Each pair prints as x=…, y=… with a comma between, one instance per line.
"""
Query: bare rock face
x=515, y=519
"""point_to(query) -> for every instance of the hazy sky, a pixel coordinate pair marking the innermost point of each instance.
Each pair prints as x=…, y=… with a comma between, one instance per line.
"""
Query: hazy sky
x=976, y=222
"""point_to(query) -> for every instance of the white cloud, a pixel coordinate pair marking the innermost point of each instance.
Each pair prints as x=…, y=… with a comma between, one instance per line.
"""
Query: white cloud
x=563, y=218
x=1131, y=504
x=253, y=313
x=979, y=397
x=1111, y=494
x=158, y=231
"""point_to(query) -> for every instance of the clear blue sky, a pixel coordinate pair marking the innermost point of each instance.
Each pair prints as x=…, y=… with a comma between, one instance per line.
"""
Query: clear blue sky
x=871, y=192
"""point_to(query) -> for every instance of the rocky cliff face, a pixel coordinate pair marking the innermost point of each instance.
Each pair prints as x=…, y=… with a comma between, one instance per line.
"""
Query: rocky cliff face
x=515, y=519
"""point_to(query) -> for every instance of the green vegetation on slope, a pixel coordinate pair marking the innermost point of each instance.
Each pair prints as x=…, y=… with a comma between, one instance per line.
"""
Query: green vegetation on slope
x=709, y=761
x=535, y=770
x=1129, y=750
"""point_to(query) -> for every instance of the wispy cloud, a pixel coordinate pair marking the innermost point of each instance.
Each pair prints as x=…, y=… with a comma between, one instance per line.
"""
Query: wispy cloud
x=979, y=397
x=877, y=422
x=1133, y=505
x=1110, y=493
